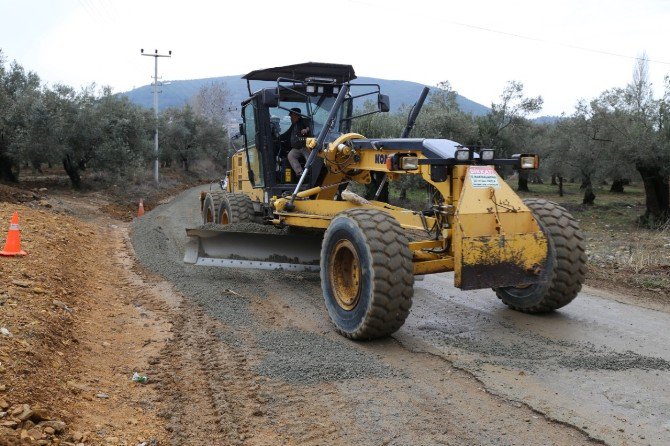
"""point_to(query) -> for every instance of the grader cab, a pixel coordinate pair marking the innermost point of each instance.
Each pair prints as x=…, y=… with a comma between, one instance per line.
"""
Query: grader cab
x=367, y=250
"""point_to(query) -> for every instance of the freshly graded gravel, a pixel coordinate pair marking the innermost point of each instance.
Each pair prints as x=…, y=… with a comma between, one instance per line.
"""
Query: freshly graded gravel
x=614, y=361
x=159, y=244
x=301, y=357
x=295, y=356
x=536, y=352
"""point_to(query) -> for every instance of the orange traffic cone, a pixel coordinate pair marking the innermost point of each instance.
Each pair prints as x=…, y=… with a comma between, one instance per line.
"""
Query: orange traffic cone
x=13, y=244
x=140, y=210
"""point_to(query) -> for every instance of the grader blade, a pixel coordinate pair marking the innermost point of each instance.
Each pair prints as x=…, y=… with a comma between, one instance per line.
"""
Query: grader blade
x=230, y=249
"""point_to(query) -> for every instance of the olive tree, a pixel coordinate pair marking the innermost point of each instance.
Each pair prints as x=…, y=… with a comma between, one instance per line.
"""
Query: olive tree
x=505, y=128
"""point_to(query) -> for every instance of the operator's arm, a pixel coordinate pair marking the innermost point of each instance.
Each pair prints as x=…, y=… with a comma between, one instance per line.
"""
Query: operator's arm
x=285, y=137
x=304, y=128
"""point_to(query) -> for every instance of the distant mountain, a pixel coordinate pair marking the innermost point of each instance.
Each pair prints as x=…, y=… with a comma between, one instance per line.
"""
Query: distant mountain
x=546, y=119
x=178, y=93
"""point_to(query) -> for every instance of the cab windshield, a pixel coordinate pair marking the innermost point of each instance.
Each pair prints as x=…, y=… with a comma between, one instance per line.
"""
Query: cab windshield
x=319, y=106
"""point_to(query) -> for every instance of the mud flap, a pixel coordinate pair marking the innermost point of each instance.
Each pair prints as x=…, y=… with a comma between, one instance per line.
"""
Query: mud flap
x=230, y=249
x=496, y=240
x=499, y=261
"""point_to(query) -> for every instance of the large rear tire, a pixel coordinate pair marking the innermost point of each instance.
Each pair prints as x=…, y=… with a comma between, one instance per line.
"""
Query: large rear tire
x=366, y=274
x=210, y=206
x=566, y=262
x=235, y=208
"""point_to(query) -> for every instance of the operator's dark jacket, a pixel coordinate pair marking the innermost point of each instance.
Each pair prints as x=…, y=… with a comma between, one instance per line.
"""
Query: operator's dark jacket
x=290, y=138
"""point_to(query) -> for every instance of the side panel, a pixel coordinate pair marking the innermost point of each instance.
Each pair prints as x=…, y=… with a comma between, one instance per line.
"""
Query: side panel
x=239, y=178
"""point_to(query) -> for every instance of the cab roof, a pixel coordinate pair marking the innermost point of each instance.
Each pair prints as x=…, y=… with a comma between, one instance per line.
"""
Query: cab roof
x=301, y=71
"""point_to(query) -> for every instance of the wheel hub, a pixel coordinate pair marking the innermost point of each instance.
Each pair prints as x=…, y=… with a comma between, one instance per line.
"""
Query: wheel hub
x=345, y=273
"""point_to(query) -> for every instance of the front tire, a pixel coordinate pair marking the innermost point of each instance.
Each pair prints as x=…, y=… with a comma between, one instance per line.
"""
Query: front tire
x=566, y=262
x=235, y=208
x=366, y=274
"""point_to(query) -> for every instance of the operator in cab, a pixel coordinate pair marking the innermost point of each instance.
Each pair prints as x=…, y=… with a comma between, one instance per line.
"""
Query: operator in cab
x=293, y=138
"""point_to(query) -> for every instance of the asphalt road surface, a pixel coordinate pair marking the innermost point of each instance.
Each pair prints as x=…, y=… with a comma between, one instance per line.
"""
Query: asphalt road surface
x=255, y=360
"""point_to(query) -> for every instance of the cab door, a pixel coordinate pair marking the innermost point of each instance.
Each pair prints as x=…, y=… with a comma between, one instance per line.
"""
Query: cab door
x=251, y=137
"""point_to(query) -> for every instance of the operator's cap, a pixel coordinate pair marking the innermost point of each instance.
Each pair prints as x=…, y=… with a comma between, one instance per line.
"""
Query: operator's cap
x=295, y=110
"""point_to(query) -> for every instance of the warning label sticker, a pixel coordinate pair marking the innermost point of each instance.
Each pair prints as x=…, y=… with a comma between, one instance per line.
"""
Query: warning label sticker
x=483, y=177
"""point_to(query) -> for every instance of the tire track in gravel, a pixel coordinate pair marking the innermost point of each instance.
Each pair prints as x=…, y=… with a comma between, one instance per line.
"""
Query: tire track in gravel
x=263, y=365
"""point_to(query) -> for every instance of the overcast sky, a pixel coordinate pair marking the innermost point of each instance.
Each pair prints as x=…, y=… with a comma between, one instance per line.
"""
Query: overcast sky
x=563, y=50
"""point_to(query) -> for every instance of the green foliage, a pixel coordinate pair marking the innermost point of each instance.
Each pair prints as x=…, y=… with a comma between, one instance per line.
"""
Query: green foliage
x=93, y=129
x=188, y=136
x=621, y=135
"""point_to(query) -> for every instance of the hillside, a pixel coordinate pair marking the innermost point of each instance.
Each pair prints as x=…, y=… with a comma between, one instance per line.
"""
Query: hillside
x=177, y=93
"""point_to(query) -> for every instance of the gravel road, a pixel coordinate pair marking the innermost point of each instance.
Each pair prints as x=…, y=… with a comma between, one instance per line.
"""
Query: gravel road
x=255, y=360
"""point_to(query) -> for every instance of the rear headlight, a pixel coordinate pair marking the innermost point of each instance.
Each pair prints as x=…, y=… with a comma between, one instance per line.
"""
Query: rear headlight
x=463, y=154
x=409, y=163
x=486, y=154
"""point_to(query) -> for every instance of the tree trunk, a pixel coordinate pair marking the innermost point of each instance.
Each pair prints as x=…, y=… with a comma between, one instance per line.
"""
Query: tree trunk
x=403, y=192
x=373, y=186
x=553, y=179
x=657, y=194
x=37, y=167
x=589, y=196
x=560, y=186
x=184, y=163
x=6, y=169
x=523, y=181
x=72, y=170
x=617, y=186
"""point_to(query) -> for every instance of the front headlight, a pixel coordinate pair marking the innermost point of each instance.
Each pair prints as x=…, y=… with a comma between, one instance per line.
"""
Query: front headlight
x=463, y=154
x=486, y=154
x=529, y=162
x=409, y=163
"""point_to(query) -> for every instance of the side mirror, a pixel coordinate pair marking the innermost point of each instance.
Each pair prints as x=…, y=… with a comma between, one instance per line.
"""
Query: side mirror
x=270, y=97
x=383, y=103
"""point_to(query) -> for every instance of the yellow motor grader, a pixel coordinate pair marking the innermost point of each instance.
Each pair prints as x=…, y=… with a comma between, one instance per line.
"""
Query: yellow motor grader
x=367, y=250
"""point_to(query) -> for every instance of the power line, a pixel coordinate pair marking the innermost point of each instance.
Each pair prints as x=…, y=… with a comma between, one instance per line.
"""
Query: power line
x=534, y=39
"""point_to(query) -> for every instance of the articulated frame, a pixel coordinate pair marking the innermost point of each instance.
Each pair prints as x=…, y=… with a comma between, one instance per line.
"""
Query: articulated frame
x=481, y=230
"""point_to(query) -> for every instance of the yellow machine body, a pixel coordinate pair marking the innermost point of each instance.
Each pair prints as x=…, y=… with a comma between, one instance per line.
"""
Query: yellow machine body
x=488, y=237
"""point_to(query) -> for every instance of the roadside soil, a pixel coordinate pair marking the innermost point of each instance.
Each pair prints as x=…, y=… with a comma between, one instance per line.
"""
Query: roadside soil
x=77, y=324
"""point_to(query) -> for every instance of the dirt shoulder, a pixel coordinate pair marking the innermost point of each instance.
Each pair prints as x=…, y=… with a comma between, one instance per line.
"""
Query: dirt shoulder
x=78, y=325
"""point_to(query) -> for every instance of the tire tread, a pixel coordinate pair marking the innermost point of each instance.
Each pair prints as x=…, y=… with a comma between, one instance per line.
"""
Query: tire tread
x=569, y=270
x=393, y=274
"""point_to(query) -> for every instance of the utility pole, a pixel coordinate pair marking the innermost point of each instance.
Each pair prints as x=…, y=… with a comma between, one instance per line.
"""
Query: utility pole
x=155, y=85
